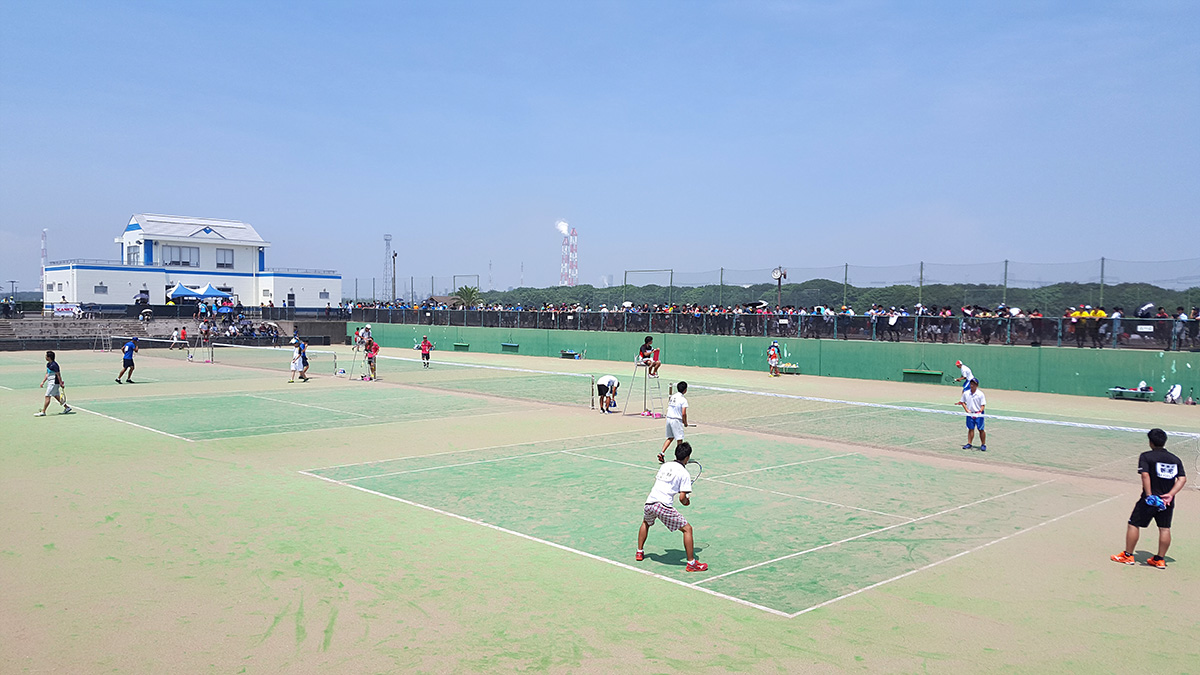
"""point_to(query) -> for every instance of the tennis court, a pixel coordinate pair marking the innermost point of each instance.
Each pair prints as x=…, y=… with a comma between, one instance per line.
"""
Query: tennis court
x=381, y=523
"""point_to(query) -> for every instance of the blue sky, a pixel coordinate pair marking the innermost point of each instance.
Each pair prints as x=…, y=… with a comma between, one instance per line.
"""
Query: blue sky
x=691, y=135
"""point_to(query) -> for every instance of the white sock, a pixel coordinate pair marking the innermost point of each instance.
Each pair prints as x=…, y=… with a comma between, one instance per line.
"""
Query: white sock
x=691, y=562
x=640, y=551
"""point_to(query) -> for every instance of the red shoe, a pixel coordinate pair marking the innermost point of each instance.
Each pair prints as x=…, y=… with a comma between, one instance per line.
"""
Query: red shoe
x=697, y=567
x=639, y=556
x=1122, y=558
x=1160, y=563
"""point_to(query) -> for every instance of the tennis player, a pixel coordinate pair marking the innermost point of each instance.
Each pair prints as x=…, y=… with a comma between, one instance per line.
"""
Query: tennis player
x=973, y=401
x=297, y=361
x=672, y=479
x=53, y=383
x=1162, y=477
x=677, y=407
x=303, y=347
x=773, y=358
x=127, y=351
x=967, y=375
x=426, y=347
x=606, y=387
x=372, y=350
x=174, y=340
x=647, y=358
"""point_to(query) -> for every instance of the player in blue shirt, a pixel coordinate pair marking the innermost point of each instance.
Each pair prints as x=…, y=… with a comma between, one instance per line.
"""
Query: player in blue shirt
x=127, y=353
x=53, y=383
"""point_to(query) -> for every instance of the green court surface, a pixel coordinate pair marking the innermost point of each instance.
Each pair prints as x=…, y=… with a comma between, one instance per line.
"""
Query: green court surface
x=481, y=516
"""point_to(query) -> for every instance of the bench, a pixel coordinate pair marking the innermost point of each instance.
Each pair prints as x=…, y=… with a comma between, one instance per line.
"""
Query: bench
x=570, y=354
x=921, y=375
x=462, y=346
x=789, y=369
x=1116, y=393
x=509, y=346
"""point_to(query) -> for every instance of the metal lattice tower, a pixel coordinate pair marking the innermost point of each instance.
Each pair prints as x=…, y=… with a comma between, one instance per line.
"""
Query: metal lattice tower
x=568, y=274
x=573, y=265
x=388, y=282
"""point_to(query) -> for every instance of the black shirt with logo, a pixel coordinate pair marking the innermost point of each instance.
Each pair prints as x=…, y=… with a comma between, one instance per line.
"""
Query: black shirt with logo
x=1162, y=467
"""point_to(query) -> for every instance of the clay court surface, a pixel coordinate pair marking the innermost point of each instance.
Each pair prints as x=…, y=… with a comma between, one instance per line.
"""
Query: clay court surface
x=215, y=518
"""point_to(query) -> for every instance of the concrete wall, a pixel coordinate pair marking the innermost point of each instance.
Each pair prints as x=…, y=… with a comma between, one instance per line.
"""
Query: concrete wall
x=1060, y=370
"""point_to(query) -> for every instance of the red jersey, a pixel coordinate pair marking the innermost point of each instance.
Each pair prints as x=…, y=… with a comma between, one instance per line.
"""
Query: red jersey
x=426, y=346
x=373, y=349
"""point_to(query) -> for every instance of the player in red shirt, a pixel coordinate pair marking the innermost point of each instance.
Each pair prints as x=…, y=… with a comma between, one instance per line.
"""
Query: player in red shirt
x=426, y=347
x=372, y=349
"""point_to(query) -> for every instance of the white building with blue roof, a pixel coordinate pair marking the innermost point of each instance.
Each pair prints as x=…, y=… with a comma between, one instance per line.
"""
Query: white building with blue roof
x=159, y=251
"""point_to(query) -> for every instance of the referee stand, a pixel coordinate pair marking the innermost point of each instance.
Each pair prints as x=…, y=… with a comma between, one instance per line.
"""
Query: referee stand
x=652, y=401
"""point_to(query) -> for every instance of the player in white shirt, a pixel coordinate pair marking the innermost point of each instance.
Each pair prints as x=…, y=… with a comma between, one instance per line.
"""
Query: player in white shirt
x=967, y=375
x=973, y=401
x=606, y=387
x=677, y=407
x=297, y=360
x=672, y=479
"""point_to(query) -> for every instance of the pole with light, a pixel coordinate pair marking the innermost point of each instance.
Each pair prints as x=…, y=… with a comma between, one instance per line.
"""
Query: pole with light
x=778, y=274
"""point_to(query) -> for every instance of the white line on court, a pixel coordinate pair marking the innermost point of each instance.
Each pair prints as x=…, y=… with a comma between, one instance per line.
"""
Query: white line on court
x=870, y=533
x=306, y=405
x=551, y=544
x=738, y=485
x=6, y=388
x=499, y=459
x=488, y=447
x=888, y=406
x=783, y=466
x=946, y=560
x=398, y=420
x=132, y=424
x=810, y=499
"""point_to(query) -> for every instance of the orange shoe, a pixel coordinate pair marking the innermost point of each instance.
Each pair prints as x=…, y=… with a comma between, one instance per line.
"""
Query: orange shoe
x=1122, y=558
x=1157, y=563
x=639, y=556
x=697, y=566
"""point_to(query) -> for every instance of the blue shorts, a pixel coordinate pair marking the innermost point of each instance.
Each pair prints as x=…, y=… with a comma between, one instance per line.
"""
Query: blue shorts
x=975, y=423
x=966, y=385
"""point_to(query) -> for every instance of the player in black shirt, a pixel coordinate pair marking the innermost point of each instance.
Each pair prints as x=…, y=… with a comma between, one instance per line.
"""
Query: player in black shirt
x=1162, y=478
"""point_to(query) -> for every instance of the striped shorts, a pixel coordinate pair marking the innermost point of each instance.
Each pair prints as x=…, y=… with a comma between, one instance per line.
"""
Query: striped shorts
x=664, y=512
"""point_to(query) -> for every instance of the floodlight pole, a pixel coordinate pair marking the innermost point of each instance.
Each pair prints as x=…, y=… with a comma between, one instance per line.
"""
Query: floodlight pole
x=721, y=289
x=845, y=281
x=1004, y=294
x=394, y=276
x=12, y=287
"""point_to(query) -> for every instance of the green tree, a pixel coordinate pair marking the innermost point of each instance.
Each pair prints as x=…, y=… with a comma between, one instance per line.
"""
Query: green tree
x=466, y=296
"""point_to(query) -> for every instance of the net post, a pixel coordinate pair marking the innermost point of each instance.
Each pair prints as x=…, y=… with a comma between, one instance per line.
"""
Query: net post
x=593, y=392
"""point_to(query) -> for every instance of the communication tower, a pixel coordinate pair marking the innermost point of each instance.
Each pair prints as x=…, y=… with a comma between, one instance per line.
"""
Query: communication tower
x=569, y=271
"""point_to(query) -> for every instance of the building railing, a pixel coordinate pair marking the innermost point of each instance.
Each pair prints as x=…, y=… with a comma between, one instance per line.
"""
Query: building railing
x=301, y=270
x=1164, y=334
x=123, y=263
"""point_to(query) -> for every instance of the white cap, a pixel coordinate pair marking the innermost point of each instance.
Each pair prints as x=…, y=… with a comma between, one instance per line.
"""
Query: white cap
x=368, y=326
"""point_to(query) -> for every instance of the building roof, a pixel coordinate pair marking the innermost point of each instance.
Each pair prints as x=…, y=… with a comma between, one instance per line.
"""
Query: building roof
x=155, y=226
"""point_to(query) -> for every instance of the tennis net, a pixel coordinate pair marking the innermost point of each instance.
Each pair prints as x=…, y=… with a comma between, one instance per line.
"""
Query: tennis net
x=1059, y=445
x=161, y=346
x=542, y=386
x=278, y=358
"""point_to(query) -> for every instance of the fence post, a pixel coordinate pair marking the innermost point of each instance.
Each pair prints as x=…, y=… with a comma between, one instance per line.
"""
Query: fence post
x=920, y=284
x=721, y=289
x=845, y=281
x=1101, y=303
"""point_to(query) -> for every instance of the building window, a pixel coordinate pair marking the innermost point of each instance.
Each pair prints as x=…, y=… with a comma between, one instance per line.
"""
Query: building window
x=266, y=292
x=49, y=287
x=324, y=295
x=60, y=287
x=100, y=290
x=133, y=255
x=225, y=258
x=181, y=256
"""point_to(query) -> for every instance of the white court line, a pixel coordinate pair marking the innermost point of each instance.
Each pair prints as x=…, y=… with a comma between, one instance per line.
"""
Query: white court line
x=499, y=459
x=783, y=466
x=306, y=405
x=809, y=499
x=551, y=544
x=888, y=406
x=946, y=560
x=132, y=424
x=488, y=447
x=6, y=388
x=398, y=420
x=738, y=485
x=870, y=533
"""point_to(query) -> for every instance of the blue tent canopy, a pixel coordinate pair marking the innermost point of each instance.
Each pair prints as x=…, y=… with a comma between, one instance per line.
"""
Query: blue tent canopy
x=181, y=291
x=210, y=291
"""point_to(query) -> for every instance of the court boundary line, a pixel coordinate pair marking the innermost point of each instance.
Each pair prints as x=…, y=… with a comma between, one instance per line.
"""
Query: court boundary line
x=561, y=547
x=738, y=485
x=307, y=405
x=956, y=556
x=334, y=428
x=132, y=424
x=889, y=406
x=784, y=466
x=869, y=533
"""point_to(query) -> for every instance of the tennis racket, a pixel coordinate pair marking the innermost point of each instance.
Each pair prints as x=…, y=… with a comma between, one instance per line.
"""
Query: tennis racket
x=695, y=469
x=62, y=393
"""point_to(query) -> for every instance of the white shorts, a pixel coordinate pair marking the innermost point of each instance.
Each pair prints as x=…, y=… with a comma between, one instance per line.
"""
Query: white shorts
x=52, y=389
x=297, y=366
x=773, y=362
x=675, y=428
